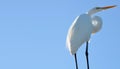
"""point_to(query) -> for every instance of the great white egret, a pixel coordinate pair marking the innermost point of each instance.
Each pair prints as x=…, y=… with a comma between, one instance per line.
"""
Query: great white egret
x=81, y=30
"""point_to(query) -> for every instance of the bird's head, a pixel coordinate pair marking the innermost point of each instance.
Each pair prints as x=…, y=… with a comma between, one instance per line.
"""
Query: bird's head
x=98, y=9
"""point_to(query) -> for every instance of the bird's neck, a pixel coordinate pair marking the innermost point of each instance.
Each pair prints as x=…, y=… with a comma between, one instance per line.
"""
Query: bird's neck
x=93, y=11
x=90, y=13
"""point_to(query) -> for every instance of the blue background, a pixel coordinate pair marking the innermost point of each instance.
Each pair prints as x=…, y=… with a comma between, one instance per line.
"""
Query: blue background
x=33, y=34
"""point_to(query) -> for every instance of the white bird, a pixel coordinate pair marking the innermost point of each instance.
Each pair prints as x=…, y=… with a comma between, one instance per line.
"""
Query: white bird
x=81, y=30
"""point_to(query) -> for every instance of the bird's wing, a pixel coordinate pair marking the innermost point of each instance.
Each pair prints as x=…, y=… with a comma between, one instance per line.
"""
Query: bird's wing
x=79, y=32
x=97, y=24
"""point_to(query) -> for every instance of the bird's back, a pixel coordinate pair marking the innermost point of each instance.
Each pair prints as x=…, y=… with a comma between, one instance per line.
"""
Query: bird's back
x=79, y=32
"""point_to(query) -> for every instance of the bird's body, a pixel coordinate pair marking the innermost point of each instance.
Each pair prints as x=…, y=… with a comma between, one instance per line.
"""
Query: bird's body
x=81, y=29
x=79, y=32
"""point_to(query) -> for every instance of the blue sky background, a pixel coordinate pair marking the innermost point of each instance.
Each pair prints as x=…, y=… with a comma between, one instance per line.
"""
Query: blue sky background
x=33, y=34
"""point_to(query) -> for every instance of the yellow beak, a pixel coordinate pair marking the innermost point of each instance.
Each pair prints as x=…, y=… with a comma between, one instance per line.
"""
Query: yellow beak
x=108, y=7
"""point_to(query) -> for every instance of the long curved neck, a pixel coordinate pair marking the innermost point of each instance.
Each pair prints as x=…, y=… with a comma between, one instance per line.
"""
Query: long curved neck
x=93, y=11
x=90, y=13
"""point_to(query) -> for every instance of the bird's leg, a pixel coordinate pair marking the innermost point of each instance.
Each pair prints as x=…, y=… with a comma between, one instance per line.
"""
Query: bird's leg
x=86, y=53
x=76, y=61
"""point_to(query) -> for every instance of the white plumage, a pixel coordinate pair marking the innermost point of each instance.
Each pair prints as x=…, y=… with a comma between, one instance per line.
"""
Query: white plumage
x=97, y=24
x=79, y=32
x=81, y=29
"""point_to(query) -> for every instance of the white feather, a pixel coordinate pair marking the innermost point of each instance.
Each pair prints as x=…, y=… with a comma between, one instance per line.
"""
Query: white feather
x=97, y=24
x=79, y=32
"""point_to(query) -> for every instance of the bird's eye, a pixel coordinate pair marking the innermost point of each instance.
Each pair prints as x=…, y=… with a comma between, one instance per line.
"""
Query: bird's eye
x=97, y=7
